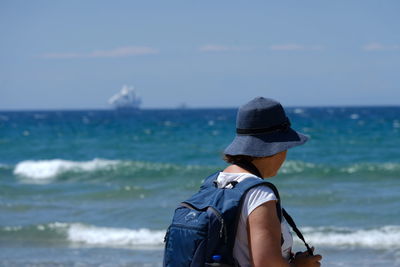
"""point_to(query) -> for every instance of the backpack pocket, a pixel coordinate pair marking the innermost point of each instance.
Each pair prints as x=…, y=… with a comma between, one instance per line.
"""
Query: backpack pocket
x=184, y=246
x=186, y=239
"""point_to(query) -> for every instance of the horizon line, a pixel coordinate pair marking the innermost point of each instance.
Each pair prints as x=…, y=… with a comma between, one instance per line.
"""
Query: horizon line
x=195, y=108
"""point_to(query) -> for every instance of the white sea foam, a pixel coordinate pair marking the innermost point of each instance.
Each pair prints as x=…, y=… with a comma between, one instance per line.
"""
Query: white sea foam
x=298, y=111
x=385, y=237
x=114, y=237
x=42, y=171
x=290, y=167
x=47, y=169
x=354, y=116
x=371, y=167
x=110, y=237
x=293, y=167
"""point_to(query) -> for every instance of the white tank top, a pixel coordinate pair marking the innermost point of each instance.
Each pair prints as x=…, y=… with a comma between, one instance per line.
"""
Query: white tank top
x=254, y=198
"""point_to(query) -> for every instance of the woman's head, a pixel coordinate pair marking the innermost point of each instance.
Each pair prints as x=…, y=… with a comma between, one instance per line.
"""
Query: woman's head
x=263, y=130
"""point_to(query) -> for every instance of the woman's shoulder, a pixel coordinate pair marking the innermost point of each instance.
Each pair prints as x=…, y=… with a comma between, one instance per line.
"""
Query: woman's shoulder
x=256, y=197
x=261, y=193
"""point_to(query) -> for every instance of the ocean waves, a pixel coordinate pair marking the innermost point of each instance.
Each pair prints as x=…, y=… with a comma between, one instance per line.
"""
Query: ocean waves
x=79, y=234
x=47, y=170
x=56, y=168
x=358, y=170
x=384, y=237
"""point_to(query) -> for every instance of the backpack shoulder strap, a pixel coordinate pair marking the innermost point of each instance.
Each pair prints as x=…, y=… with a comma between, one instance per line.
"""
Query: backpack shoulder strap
x=292, y=224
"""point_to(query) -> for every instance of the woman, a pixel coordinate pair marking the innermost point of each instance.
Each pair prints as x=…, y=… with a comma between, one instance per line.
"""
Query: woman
x=263, y=138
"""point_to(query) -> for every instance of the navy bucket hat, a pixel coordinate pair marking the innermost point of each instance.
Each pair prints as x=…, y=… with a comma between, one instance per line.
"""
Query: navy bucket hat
x=263, y=129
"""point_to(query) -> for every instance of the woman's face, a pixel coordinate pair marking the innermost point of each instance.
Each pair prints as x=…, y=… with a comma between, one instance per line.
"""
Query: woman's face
x=277, y=161
x=271, y=165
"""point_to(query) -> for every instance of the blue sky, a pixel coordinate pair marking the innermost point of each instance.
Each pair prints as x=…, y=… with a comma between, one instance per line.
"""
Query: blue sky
x=76, y=54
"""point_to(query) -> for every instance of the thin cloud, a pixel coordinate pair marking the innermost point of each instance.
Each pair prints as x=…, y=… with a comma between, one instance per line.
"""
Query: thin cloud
x=295, y=47
x=380, y=47
x=125, y=51
x=61, y=55
x=221, y=48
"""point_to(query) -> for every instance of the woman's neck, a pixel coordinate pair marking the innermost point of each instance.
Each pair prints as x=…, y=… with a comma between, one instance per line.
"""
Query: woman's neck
x=235, y=169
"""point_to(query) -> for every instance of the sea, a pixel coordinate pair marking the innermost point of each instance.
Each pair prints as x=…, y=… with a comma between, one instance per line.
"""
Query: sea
x=99, y=187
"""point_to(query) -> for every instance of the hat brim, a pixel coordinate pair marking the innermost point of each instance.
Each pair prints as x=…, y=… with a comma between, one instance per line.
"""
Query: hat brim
x=263, y=145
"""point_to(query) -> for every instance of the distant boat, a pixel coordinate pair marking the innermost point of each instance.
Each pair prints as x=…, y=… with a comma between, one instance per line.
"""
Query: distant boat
x=125, y=99
x=182, y=105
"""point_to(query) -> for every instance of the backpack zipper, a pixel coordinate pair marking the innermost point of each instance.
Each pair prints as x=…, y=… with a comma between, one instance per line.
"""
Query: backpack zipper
x=222, y=231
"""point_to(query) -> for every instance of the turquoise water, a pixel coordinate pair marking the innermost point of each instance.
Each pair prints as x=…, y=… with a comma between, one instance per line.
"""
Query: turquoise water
x=93, y=188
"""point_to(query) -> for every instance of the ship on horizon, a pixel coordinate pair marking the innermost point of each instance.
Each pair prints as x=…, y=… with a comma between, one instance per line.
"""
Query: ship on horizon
x=126, y=99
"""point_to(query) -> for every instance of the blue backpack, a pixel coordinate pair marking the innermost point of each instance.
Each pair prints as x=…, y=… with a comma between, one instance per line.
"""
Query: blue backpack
x=203, y=229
